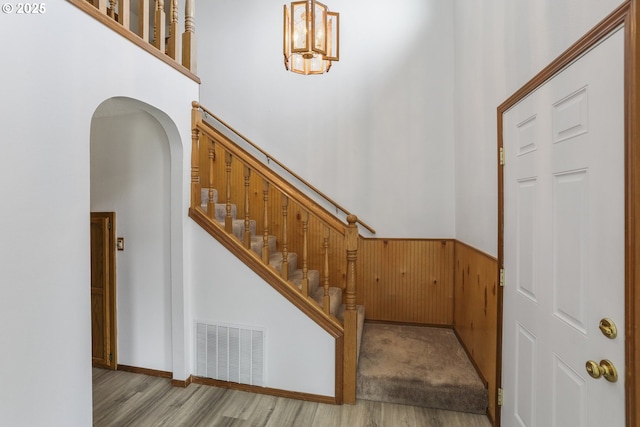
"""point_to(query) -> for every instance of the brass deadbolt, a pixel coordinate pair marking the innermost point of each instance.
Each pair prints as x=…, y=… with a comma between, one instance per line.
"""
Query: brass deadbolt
x=608, y=328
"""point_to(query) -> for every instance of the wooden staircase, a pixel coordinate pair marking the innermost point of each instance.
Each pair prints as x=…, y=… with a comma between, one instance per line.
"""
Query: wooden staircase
x=304, y=252
x=277, y=260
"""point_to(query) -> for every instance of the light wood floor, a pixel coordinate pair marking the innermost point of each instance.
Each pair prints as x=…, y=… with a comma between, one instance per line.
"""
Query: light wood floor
x=126, y=399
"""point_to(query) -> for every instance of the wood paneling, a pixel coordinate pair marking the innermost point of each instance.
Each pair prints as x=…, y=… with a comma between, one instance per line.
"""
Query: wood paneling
x=476, y=313
x=406, y=280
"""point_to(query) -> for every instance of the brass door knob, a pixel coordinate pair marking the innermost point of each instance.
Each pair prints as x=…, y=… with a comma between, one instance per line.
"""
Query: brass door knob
x=604, y=369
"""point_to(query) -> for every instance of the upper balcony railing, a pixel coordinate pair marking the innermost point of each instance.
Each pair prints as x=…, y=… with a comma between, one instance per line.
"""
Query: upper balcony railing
x=152, y=29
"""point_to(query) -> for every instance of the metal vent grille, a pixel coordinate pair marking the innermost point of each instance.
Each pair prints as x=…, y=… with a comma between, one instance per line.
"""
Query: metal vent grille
x=230, y=353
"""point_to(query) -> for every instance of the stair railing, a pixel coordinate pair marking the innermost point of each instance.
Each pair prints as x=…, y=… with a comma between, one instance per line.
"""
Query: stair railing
x=288, y=172
x=301, y=225
x=117, y=15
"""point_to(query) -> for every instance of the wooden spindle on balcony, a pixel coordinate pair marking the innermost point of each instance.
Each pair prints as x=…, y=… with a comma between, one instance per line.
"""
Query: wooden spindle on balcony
x=101, y=5
x=196, y=117
x=124, y=13
x=247, y=220
x=159, y=26
x=143, y=20
x=172, y=44
x=189, y=38
x=305, y=253
x=350, y=313
x=326, y=302
x=211, y=203
x=111, y=10
x=265, y=237
x=285, y=247
x=228, y=219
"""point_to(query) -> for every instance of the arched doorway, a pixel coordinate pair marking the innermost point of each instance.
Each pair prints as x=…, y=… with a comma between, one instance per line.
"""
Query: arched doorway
x=136, y=175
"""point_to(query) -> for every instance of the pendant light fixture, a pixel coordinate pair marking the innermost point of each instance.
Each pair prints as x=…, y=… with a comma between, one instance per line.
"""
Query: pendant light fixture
x=311, y=37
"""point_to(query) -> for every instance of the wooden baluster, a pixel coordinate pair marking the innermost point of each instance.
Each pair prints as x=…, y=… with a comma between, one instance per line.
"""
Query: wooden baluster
x=350, y=313
x=305, y=253
x=247, y=220
x=196, y=117
x=285, y=248
x=124, y=13
x=211, y=204
x=101, y=5
x=265, y=237
x=173, y=46
x=189, y=37
x=111, y=11
x=326, y=303
x=228, y=219
x=159, y=29
x=143, y=19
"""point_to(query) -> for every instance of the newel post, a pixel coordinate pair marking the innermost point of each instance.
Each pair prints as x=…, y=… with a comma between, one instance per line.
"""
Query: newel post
x=196, y=118
x=350, y=314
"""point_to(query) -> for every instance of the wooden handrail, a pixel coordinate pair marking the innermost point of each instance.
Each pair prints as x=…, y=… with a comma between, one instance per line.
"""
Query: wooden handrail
x=289, y=171
x=270, y=176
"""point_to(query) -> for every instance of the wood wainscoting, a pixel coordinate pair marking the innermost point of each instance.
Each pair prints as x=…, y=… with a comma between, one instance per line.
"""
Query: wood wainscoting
x=407, y=280
x=476, y=313
x=436, y=282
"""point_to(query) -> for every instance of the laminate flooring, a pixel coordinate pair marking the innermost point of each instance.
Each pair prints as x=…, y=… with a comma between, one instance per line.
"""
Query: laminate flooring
x=127, y=399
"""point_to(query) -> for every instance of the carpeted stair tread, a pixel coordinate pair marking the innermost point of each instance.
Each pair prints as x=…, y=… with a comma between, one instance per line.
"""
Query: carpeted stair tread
x=204, y=196
x=276, y=260
x=335, y=298
x=418, y=366
x=238, y=227
x=312, y=275
x=258, y=241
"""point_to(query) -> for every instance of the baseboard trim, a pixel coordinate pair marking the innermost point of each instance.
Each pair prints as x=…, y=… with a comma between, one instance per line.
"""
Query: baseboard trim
x=145, y=371
x=308, y=397
x=394, y=322
x=182, y=383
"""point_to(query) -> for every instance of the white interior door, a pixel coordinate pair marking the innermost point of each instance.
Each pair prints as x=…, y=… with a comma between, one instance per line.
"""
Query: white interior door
x=564, y=245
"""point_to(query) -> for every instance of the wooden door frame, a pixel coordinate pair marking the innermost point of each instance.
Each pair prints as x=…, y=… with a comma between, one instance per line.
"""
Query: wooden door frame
x=628, y=14
x=112, y=338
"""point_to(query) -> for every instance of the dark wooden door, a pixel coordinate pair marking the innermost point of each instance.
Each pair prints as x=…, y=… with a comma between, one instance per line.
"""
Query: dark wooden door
x=103, y=289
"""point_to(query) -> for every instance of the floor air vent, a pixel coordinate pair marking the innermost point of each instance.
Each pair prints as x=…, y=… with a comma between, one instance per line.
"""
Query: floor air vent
x=230, y=353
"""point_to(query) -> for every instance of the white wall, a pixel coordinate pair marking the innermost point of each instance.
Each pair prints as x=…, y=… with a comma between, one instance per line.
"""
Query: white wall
x=130, y=175
x=49, y=95
x=375, y=133
x=299, y=355
x=500, y=45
